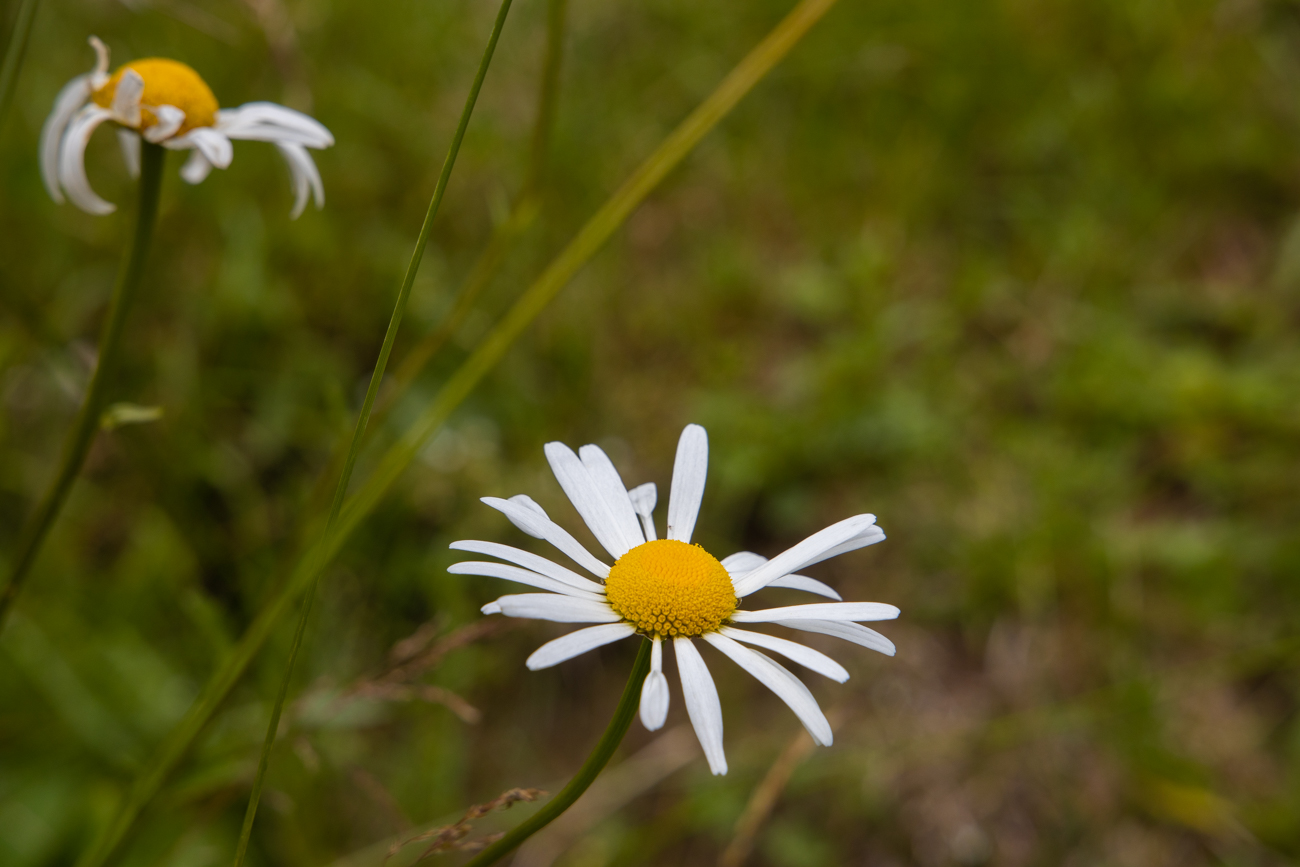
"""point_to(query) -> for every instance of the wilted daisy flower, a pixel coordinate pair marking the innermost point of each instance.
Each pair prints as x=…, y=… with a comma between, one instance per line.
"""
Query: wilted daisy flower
x=671, y=590
x=168, y=104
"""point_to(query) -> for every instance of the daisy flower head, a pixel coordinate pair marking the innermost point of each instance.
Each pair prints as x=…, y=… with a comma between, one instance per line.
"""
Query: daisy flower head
x=673, y=592
x=167, y=103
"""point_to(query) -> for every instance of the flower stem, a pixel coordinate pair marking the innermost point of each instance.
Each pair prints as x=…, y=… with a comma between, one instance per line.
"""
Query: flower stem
x=92, y=404
x=363, y=419
x=14, y=54
x=600, y=756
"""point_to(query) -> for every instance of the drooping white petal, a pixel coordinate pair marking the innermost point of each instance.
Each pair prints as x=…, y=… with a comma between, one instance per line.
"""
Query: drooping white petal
x=561, y=609
x=805, y=656
x=529, y=561
x=169, y=120
x=70, y=99
x=702, y=704
x=267, y=121
x=849, y=611
x=577, y=643
x=810, y=549
x=643, y=499
x=741, y=563
x=870, y=536
x=128, y=140
x=613, y=492
x=544, y=528
x=214, y=146
x=775, y=677
x=583, y=492
x=856, y=633
x=521, y=576
x=303, y=176
x=196, y=168
x=491, y=608
x=654, y=692
x=689, y=472
x=126, y=99
x=810, y=585
x=72, y=160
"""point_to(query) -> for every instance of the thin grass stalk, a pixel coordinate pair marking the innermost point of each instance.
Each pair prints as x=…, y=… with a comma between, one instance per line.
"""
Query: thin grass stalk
x=15, y=53
x=589, y=239
x=87, y=422
x=363, y=419
x=591, y=768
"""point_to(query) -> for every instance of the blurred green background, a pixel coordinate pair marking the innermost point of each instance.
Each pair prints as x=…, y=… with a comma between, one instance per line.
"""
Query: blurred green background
x=1022, y=279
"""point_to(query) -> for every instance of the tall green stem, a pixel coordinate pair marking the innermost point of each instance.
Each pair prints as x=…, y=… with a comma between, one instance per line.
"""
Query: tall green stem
x=14, y=54
x=600, y=756
x=92, y=404
x=363, y=419
x=584, y=245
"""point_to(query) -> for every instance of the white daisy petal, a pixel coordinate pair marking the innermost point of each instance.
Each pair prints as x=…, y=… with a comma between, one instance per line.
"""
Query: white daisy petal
x=170, y=119
x=810, y=585
x=196, y=168
x=561, y=609
x=491, y=608
x=820, y=611
x=99, y=76
x=543, y=528
x=585, y=495
x=702, y=704
x=129, y=141
x=807, y=551
x=214, y=146
x=66, y=104
x=741, y=563
x=577, y=643
x=613, y=492
x=870, y=536
x=126, y=99
x=805, y=656
x=654, y=692
x=530, y=561
x=776, y=678
x=72, y=160
x=643, y=499
x=521, y=576
x=267, y=121
x=856, y=633
x=689, y=472
x=303, y=175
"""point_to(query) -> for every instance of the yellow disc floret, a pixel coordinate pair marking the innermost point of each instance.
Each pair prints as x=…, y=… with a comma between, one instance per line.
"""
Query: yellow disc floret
x=670, y=588
x=166, y=82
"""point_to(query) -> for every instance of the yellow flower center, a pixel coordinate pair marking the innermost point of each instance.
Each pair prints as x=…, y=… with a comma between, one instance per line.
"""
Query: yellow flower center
x=166, y=82
x=670, y=588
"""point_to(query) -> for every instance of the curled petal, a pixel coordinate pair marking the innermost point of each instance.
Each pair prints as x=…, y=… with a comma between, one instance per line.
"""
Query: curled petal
x=196, y=168
x=303, y=175
x=654, y=692
x=70, y=99
x=169, y=120
x=72, y=160
x=267, y=121
x=214, y=146
x=126, y=99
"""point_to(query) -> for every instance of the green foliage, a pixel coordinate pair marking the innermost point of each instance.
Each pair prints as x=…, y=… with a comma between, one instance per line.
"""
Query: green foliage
x=1021, y=279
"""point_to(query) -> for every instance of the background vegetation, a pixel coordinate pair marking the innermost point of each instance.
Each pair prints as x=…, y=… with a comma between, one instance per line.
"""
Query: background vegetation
x=1023, y=279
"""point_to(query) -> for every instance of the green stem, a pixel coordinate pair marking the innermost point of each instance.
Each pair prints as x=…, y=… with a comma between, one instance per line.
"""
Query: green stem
x=589, y=239
x=92, y=404
x=363, y=419
x=600, y=756
x=15, y=53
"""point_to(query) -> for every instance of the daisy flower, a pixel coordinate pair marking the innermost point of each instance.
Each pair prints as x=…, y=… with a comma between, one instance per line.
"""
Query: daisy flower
x=671, y=591
x=167, y=103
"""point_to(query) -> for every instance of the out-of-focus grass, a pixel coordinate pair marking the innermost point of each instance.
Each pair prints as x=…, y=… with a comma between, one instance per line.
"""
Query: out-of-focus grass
x=1021, y=279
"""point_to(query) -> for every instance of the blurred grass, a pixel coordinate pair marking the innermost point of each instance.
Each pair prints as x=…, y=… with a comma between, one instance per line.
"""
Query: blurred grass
x=1021, y=279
